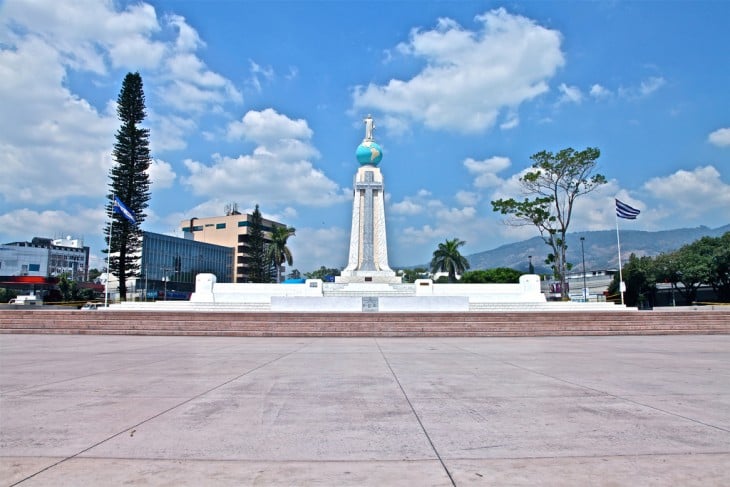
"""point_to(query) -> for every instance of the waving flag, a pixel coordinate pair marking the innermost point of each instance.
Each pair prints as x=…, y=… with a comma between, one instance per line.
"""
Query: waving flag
x=122, y=209
x=625, y=211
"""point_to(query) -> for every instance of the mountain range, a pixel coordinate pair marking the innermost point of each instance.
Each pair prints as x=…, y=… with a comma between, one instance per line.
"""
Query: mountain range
x=601, y=250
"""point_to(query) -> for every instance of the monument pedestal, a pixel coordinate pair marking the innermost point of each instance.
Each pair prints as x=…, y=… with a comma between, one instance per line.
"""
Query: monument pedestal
x=382, y=277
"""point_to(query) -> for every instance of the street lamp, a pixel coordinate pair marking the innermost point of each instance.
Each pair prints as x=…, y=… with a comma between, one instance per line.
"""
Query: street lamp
x=583, y=252
x=165, y=278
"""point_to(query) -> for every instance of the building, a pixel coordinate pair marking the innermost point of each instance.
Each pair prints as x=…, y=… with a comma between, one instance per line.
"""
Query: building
x=232, y=230
x=45, y=257
x=168, y=266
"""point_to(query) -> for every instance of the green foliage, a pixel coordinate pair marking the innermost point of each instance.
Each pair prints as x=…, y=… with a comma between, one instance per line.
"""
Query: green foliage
x=94, y=274
x=552, y=186
x=499, y=275
x=277, y=250
x=447, y=258
x=719, y=275
x=294, y=274
x=323, y=273
x=7, y=294
x=410, y=275
x=705, y=261
x=639, y=274
x=129, y=181
x=258, y=268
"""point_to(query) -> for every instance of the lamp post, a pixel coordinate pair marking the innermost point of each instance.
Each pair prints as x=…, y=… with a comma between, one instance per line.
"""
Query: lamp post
x=583, y=252
x=165, y=278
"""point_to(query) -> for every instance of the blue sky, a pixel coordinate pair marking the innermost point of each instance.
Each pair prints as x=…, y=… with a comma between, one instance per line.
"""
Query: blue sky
x=261, y=102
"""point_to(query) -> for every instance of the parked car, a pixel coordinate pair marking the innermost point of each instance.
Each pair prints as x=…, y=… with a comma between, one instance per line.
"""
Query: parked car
x=29, y=300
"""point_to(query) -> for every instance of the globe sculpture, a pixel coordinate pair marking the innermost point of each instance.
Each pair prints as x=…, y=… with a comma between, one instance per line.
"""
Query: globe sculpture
x=369, y=152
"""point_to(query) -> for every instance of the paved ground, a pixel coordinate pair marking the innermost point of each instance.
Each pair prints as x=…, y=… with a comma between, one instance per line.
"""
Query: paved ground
x=108, y=410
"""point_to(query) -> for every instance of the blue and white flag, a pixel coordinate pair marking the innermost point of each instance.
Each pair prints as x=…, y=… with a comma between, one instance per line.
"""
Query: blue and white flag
x=625, y=211
x=122, y=209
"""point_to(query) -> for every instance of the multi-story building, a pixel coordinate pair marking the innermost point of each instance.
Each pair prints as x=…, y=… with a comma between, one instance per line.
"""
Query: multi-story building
x=232, y=230
x=170, y=264
x=46, y=257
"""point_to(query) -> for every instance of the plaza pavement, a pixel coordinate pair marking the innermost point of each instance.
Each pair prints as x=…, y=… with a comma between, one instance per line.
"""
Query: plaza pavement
x=130, y=410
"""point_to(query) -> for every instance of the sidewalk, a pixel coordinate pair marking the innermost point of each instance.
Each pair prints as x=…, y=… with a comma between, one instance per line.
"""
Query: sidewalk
x=112, y=410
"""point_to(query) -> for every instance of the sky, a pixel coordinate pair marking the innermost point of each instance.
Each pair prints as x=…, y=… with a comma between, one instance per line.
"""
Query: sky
x=262, y=102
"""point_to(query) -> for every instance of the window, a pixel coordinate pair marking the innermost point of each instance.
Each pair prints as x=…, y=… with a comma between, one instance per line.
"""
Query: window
x=220, y=226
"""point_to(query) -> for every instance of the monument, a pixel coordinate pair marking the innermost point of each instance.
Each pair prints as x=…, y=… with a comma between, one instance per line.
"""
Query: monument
x=367, y=283
x=368, y=260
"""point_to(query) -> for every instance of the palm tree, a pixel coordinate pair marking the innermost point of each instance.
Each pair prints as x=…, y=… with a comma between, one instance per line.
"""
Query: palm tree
x=277, y=251
x=448, y=258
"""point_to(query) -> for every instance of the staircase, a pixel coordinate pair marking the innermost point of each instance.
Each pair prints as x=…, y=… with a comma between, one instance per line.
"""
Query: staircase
x=247, y=324
x=364, y=290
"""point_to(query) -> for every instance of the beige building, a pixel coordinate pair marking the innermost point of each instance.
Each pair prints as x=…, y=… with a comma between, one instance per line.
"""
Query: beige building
x=231, y=230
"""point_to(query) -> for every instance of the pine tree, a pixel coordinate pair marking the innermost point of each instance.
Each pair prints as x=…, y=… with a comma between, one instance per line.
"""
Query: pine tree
x=257, y=262
x=129, y=182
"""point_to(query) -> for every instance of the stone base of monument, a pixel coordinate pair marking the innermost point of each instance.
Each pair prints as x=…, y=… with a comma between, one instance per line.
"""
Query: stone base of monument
x=368, y=297
x=359, y=276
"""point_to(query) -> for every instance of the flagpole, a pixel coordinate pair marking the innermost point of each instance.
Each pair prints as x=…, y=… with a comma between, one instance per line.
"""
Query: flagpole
x=108, y=254
x=621, y=284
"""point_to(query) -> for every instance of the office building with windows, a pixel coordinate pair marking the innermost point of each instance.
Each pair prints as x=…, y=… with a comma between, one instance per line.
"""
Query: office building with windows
x=46, y=257
x=232, y=230
x=168, y=265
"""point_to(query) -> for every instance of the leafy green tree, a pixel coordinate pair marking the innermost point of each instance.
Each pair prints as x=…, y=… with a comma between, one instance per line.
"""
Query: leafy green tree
x=258, y=265
x=129, y=182
x=693, y=267
x=447, y=258
x=640, y=276
x=719, y=276
x=410, y=275
x=499, y=275
x=277, y=251
x=324, y=273
x=7, y=294
x=94, y=274
x=552, y=185
x=294, y=274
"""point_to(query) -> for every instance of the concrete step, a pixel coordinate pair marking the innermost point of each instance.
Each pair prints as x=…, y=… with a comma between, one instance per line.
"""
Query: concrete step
x=238, y=323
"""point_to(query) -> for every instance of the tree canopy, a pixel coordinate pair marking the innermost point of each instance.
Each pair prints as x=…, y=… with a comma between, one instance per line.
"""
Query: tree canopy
x=705, y=261
x=324, y=273
x=277, y=250
x=551, y=187
x=447, y=258
x=129, y=181
x=258, y=265
x=499, y=275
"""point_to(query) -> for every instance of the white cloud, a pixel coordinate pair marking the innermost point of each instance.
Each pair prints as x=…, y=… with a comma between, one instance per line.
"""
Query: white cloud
x=512, y=120
x=570, y=94
x=470, y=76
x=599, y=92
x=52, y=223
x=467, y=198
x=694, y=192
x=720, y=137
x=407, y=207
x=313, y=247
x=161, y=174
x=267, y=126
x=258, y=72
x=650, y=85
x=645, y=88
x=277, y=172
x=55, y=131
x=486, y=170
